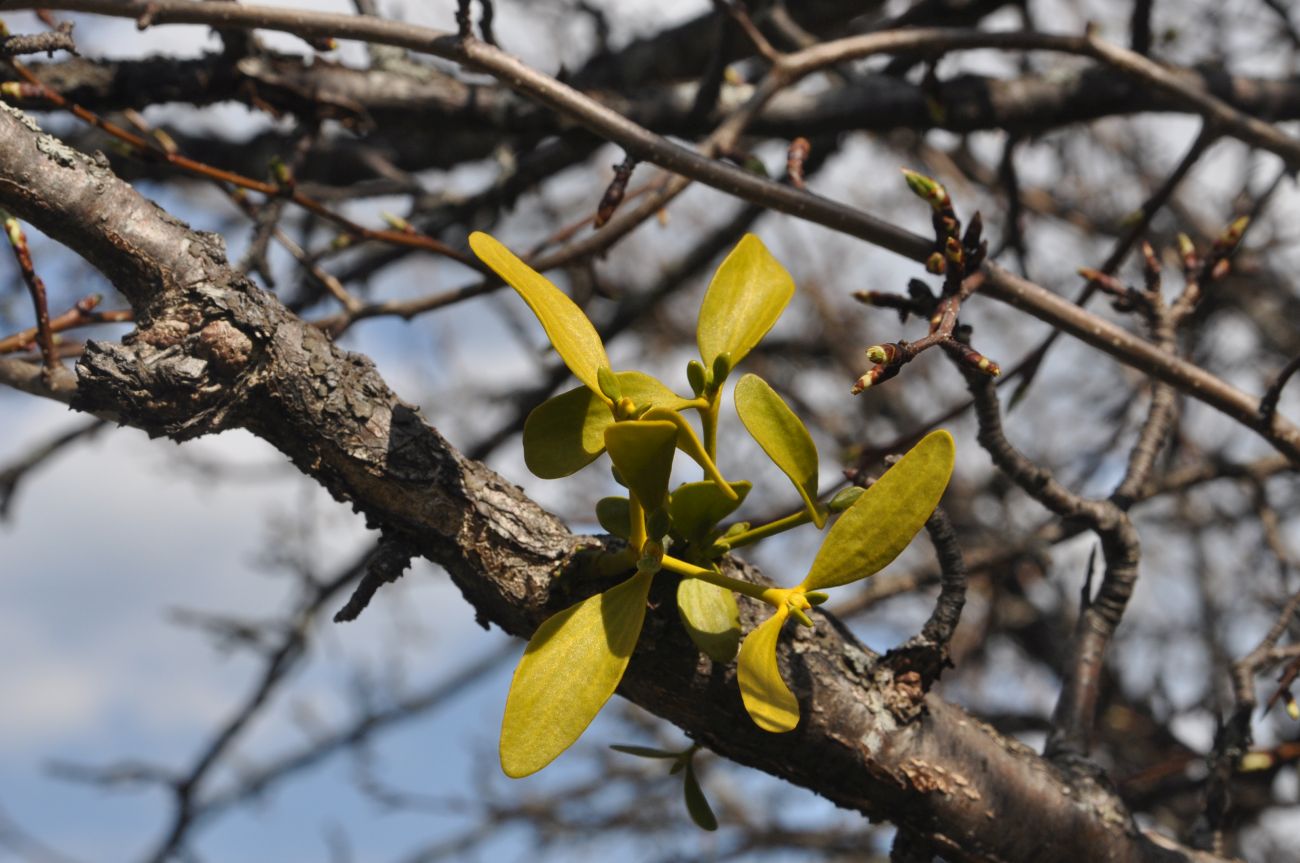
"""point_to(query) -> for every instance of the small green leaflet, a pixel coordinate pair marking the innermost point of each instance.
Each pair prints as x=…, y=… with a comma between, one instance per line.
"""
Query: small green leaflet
x=697, y=805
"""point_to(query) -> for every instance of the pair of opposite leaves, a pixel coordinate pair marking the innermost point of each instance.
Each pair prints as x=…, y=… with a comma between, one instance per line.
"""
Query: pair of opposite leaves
x=575, y=660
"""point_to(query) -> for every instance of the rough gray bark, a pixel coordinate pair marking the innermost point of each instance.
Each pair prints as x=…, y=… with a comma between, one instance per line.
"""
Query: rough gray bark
x=213, y=352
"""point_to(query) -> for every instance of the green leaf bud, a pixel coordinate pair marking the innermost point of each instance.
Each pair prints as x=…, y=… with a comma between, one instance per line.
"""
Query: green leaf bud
x=697, y=377
x=609, y=384
x=721, y=368
x=844, y=498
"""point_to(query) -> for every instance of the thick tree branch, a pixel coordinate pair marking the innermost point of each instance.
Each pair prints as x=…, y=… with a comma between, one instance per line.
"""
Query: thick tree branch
x=396, y=103
x=213, y=352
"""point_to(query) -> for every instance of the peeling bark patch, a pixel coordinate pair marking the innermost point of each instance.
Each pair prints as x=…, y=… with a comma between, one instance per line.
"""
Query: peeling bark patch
x=61, y=153
x=928, y=778
x=58, y=151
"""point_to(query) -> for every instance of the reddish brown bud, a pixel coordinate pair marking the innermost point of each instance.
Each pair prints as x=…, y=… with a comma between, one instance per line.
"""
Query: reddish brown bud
x=927, y=189
x=87, y=304
x=953, y=252
x=974, y=231
x=1150, y=260
x=886, y=353
x=614, y=192
x=935, y=264
x=22, y=91
x=1105, y=281
x=972, y=358
x=1187, y=251
x=798, y=153
x=876, y=375
x=1232, y=235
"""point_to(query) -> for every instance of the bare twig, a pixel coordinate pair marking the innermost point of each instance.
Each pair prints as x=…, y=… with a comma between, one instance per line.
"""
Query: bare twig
x=1076, y=709
x=81, y=314
x=19, y=469
x=35, y=287
x=58, y=39
x=1268, y=404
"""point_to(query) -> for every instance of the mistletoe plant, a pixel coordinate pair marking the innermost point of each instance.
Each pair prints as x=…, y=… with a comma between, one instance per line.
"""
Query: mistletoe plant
x=574, y=661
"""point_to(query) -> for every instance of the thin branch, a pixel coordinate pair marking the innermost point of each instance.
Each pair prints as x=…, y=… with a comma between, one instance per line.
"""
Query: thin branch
x=81, y=314
x=32, y=379
x=59, y=39
x=1075, y=711
x=924, y=657
x=35, y=287
x=1029, y=366
x=281, y=660
x=19, y=469
x=1268, y=404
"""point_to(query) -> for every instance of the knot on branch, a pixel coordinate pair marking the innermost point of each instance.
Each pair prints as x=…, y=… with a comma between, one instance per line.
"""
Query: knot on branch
x=181, y=374
x=225, y=347
x=166, y=392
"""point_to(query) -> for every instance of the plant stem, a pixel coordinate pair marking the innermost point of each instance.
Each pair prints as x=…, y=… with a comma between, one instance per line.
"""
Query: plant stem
x=771, y=595
x=763, y=531
x=709, y=422
x=636, y=515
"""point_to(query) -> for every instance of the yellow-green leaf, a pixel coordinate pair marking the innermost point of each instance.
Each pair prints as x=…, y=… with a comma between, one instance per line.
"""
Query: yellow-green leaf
x=570, y=331
x=697, y=805
x=565, y=433
x=642, y=450
x=711, y=618
x=747, y=295
x=783, y=436
x=647, y=391
x=880, y=524
x=697, y=507
x=571, y=667
x=768, y=700
x=615, y=515
x=689, y=443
